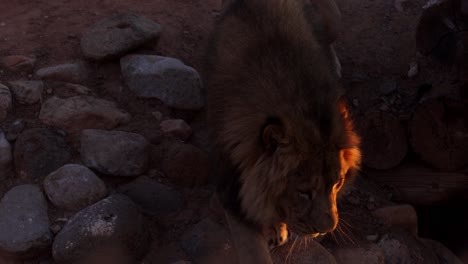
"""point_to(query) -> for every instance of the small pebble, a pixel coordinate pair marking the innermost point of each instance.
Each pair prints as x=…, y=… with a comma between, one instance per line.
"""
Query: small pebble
x=370, y=206
x=371, y=199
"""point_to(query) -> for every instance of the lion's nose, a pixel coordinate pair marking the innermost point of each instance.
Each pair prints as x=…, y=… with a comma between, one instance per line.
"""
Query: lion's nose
x=328, y=222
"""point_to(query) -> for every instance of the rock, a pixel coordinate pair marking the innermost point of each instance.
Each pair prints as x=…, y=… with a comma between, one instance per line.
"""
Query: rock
x=397, y=252
x=38, y=152
x=208, y=241
x=372, y=254
x=27, y=92
x=167, y=79
x=118, y=34
x=17, y=63
x=443, y=254
x=6, y=156
x=82, y=112
x=73, y=187
x=182, y=262
x=114, y=153
x=24, y=224
x=5, y=101
x=154, y=198
x=388, y=87
x=114, y=222
x=176, y=127
x=310, y=252
x=15, y=129
x=402, y=215
x=186, y=165
x=69, y=72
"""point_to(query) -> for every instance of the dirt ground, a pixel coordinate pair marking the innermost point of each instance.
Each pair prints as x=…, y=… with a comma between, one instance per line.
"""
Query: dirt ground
x=376, y=44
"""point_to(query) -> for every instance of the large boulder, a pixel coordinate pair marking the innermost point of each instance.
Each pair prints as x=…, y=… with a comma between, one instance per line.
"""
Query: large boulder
x=118, y=34
x=167, y=79
x=24, y=223
x=209, y=242
x=115, y=153
x=154, y=198
x=112, y=223
x=27, y=92
x=81, y=112
x=73, y=187
x=69, y=72
x=40, y=151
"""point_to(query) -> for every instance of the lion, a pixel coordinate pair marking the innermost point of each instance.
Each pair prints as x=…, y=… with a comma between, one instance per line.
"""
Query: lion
x=284, y=140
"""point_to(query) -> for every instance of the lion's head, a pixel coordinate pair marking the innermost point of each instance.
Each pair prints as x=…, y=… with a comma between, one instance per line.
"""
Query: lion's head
x=300, y=171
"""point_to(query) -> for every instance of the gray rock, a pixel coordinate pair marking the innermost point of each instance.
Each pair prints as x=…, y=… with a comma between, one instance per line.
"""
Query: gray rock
x=114, y=222
x=186, y=165
x=154, y=198
x=69, y=72
x=38, y=152
x=444, y=255
x=27, y=92
x=18, y=63
x=208, y=241
x=117, y=34
x=24, y=224
x=6, y=156
x=115, y=153
x=177, y=128
x=81, y=112
x=311, y=252
x=395, y=251
x=167, y=79
x=5, y=101
x=73, y=187
x=371, y=254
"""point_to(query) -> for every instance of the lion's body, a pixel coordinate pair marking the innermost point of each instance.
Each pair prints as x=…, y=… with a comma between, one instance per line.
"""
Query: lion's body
x=273, y=96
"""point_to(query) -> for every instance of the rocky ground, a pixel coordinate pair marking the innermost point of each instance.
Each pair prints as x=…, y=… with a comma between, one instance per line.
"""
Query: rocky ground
x=92, y=155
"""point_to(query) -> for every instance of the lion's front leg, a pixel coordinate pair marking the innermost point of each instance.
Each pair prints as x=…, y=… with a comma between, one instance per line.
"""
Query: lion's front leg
x=251, y=246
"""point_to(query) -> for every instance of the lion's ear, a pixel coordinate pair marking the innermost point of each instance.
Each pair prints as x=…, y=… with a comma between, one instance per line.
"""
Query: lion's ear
x=273, y=136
